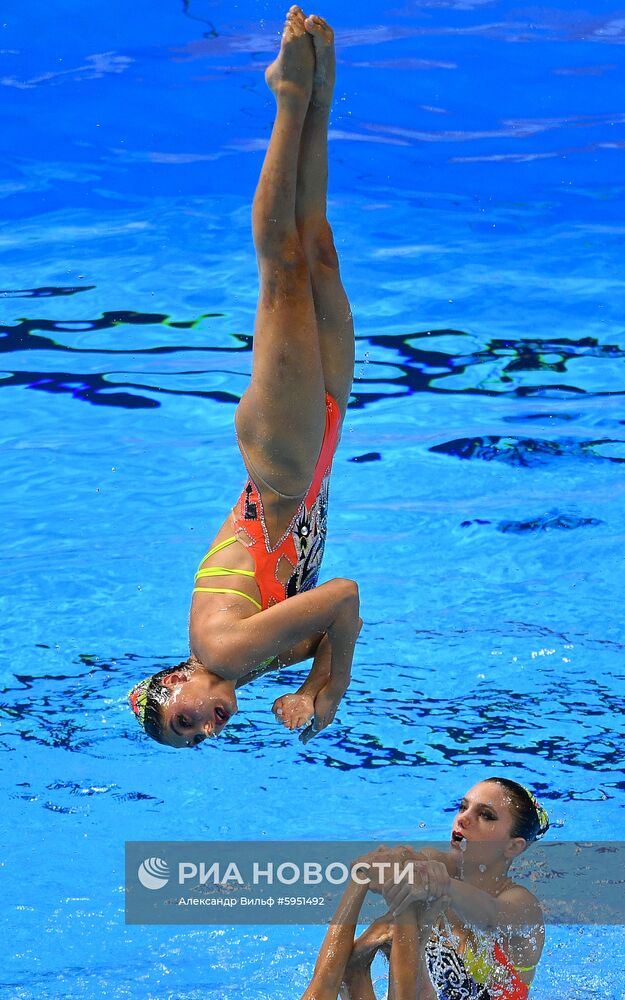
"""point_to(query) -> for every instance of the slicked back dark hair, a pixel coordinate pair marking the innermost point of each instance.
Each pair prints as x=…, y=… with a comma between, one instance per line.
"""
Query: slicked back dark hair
x=526, y=819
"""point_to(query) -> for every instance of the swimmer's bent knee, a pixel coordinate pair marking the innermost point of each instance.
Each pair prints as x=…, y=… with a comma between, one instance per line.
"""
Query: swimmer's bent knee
x=348, y=592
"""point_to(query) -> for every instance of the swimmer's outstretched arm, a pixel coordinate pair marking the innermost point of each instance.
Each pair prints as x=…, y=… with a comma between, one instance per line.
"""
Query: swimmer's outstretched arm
x=337, y=946
x=333, y=609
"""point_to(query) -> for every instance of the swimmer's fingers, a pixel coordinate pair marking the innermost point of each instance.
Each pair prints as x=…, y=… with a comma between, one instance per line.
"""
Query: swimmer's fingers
x=438, y=880
x=393, y=892
x=308, y=734
x=326, y=705
x=278, y=709
x=398, y=898
x=293, y=710
x=415, y=888
x=281, y=712
x=312, y=730
x=322, y=721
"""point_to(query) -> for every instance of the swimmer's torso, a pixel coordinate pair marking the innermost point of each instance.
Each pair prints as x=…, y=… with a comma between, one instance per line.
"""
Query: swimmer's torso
x=278, y=516
x=484, y=964
x=271, y=546
x=480, y=968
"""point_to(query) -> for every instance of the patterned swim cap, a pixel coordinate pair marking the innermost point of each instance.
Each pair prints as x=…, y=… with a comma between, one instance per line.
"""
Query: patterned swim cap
x=138, y=698
x=541, y=813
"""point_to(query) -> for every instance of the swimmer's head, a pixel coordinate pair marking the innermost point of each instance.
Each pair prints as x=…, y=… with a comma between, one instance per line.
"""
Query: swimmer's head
x=496, y=821
x=182, y=706
x=530, y=818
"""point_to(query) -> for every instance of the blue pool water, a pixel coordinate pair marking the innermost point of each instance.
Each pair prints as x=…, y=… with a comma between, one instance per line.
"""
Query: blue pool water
x=477, y=197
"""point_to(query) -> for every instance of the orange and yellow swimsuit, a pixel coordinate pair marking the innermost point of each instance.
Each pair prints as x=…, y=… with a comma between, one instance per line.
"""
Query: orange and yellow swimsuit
x=302, y=543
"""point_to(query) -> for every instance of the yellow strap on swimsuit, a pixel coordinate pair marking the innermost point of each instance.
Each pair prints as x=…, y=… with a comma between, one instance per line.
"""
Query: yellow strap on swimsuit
x=217, y=548
x=223, y=571
x=479, y=964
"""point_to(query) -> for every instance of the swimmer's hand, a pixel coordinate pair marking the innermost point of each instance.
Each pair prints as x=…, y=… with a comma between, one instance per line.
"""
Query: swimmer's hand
x=429, y=882
x=326, y=703
x=308, y=734
x=294, y=710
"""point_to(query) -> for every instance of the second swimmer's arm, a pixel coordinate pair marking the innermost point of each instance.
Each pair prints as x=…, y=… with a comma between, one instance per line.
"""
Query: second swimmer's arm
x=515, y=911
x=513, y=908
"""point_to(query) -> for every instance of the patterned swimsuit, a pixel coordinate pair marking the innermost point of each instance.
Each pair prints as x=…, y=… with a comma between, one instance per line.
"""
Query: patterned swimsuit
x=301, y=545
x=488, y=975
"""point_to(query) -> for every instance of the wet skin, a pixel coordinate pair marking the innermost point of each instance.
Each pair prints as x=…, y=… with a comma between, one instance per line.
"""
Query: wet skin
x=200, y=706
x=481, y=832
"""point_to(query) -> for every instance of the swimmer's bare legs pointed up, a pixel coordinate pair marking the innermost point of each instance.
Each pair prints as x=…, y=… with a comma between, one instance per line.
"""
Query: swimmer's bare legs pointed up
x=332, y=309
x=281, y=418
x=304, y=336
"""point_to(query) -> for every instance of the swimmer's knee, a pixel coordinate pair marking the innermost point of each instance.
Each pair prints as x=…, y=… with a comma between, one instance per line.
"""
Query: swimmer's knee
x=279, y=251
x=319, y=247
x=284, y=278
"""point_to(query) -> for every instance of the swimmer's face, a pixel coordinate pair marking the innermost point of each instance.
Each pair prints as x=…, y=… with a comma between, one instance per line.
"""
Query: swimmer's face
x=200, y=705
x=483, y=825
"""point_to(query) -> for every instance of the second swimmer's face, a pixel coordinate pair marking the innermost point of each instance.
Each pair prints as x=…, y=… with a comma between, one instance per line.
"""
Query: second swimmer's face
x=485, y=819
x=200, y=705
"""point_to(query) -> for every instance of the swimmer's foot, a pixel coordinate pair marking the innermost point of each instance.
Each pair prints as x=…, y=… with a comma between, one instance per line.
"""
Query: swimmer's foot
x=290, y=76
x=325, y=61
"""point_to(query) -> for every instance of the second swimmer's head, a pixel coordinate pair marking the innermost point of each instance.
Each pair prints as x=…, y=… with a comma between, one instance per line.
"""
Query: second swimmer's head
x=182, y=706
x=530, y=818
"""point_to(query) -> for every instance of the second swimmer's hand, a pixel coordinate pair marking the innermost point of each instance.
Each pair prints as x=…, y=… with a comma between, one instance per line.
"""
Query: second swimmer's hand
x=430, y=881
x=294, y=710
